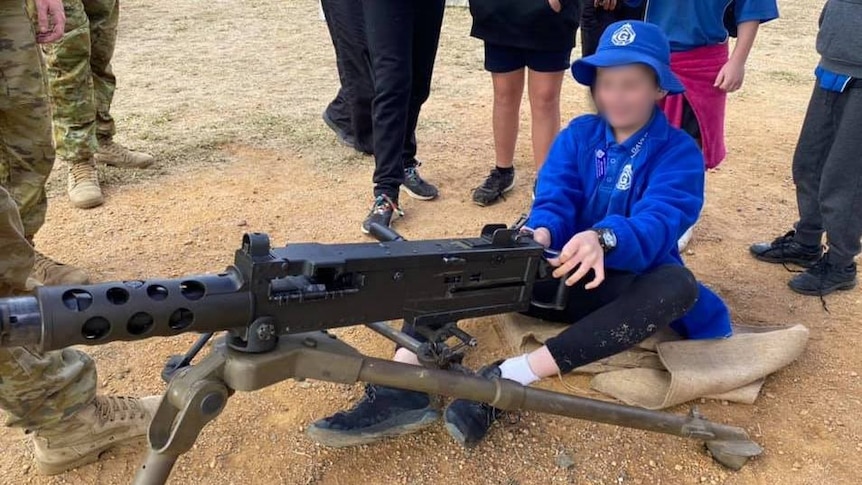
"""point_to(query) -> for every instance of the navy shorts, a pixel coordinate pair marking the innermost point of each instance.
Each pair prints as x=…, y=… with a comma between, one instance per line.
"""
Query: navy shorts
x=501, y=59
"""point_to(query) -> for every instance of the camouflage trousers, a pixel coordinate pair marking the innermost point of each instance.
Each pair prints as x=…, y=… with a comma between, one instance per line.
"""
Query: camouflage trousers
x=35, y=390
x=80, y=80
x=26, y=151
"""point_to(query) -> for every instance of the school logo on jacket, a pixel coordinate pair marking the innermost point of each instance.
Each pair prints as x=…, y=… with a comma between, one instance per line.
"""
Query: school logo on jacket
x=624, y=35
x=625, y=180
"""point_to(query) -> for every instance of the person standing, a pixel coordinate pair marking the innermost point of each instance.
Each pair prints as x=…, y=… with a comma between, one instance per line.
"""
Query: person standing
x=81, y=87
x=826, y=165
x=701, y=58
x=531, y=40
x=349, y=114
x=52, y=396
x=402, y=40
x=25, y=125
x=597, y=15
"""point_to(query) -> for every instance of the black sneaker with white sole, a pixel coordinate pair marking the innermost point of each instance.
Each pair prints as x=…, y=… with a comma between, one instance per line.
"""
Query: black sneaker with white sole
x=382, y=412
x=469, y=421
x=494, y=187
x=415, y=185
x=382, y=211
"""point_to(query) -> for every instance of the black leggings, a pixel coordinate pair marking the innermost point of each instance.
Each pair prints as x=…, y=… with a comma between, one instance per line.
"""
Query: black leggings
x=622, y=312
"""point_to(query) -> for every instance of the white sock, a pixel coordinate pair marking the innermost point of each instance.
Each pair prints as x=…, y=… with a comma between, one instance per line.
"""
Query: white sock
x=518, y=369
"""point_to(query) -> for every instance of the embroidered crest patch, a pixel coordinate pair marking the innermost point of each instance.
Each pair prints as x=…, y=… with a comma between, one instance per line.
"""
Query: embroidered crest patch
x=625, y=180
x=624, y=35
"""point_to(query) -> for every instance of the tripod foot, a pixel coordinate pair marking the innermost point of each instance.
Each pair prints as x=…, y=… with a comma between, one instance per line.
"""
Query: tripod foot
x=733, y=454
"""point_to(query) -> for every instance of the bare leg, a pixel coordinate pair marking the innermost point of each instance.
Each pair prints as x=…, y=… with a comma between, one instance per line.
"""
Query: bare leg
x=508, y=90
x=544, y=90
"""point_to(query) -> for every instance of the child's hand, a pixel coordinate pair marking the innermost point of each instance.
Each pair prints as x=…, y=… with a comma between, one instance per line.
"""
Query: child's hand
x=584, y=252
x=556, y=6
x=605, y=4
x=730, y=77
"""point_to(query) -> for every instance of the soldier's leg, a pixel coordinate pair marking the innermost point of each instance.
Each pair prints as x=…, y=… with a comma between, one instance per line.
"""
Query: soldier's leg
x=17, y=260
x=54, y=395
x=104, y=16
x=70, y=87
x=26, y=152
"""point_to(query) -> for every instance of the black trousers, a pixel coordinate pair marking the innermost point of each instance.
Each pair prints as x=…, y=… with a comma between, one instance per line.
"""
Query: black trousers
x=351, y=108
x=827, y=170
x=622, y=312
x=402, y=39
x=594, y=21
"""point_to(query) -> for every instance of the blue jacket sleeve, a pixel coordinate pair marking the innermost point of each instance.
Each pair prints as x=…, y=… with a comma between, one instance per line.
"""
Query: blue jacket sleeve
x=558, y=191
x=670, y=204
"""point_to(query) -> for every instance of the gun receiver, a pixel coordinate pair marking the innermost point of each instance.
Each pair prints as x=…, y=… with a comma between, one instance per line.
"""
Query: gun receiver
x=298, y=288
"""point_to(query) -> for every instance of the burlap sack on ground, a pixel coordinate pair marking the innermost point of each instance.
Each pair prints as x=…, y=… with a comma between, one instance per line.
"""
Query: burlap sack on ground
x=664, y=370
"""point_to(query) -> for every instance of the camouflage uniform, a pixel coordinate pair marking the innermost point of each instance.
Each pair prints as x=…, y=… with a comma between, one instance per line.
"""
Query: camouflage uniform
x=53, y=394
x=80, y=80
x=26, y=154
x=35, y=390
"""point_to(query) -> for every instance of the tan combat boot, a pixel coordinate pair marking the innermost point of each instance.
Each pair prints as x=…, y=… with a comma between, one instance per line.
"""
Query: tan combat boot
x=108, y=421
x=84, y=191
x=52, y=273
x=117, y=155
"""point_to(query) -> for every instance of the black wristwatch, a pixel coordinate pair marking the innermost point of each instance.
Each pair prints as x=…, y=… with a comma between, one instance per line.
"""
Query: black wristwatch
x=607, y=238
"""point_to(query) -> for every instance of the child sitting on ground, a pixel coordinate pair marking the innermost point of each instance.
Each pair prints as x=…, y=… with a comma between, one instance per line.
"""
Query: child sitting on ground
x=617, y=191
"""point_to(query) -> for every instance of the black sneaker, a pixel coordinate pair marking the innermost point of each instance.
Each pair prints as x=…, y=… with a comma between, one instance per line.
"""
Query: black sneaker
x=785, y=249
x=493, y=188
x=381, y=413
x=416, y=186
x=341, y=134
x=469, y=421
x=824, y=278
x=381, y=212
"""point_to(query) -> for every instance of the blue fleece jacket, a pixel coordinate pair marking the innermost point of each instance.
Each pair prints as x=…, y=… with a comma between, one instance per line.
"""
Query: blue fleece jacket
x=648, y=190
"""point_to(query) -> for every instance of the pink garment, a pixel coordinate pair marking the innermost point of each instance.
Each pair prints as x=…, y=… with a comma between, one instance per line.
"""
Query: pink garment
x=697, y=69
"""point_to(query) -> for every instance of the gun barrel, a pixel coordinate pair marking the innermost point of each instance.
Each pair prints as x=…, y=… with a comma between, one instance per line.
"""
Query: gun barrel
x=20, y=322
x=60, y=316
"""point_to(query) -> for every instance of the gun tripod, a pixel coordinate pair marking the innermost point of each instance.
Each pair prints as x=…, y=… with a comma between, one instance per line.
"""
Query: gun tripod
x=196, y=395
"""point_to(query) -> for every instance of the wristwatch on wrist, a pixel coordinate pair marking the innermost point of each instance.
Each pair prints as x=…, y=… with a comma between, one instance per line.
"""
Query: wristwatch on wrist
x=607, y=238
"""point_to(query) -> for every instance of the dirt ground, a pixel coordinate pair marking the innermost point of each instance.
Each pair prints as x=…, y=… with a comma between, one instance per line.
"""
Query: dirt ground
x=228, y=96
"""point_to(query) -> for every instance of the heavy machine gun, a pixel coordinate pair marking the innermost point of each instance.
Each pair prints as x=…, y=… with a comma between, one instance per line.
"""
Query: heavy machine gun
x=275, y=306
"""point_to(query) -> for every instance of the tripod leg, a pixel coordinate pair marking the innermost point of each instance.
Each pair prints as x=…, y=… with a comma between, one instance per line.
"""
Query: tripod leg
x=194, y=397
x=156, y=469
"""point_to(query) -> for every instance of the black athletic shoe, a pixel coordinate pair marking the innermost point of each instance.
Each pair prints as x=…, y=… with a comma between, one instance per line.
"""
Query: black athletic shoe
x=381, y=212
x=469, y=421
x=381, y=413
x=785, y=249
x=493, y=188
x=343, y=136
x=416, y=186
x=824, y=278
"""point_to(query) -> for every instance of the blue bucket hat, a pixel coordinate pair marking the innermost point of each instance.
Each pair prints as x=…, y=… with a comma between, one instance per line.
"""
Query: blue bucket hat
x=630, y=42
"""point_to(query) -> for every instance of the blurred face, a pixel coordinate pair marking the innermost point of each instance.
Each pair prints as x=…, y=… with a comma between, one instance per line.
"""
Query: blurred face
x=626, y=95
